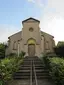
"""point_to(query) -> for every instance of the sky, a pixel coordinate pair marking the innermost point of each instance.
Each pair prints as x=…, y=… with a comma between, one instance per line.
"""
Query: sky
x=49, y=12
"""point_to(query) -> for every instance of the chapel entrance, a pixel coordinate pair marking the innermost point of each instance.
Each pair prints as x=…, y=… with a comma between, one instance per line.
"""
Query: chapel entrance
x=31, y=50
x=31, y=47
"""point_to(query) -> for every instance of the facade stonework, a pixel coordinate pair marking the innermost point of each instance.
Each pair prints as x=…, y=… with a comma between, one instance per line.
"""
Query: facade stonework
x=31, y=40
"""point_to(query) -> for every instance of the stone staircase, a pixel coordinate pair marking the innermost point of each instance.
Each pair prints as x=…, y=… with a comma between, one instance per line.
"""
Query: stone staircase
x=34, y=70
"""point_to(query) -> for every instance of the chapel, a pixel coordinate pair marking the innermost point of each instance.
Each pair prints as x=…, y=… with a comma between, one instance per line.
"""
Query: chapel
x=30, y=39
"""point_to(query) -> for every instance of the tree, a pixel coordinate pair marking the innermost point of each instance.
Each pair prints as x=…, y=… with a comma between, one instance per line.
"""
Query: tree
x=2, y=50
x=59, y=49
x=60, y=43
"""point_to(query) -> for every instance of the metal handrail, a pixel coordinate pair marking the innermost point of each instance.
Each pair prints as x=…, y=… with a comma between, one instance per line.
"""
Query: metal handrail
x=36, y=83
x=31, y=74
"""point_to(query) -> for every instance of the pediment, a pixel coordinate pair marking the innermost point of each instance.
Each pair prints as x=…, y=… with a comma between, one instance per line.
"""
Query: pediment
x=30, y=20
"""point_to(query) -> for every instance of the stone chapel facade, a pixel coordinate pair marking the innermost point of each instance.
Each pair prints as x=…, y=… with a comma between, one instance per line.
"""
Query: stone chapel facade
x=31, y=40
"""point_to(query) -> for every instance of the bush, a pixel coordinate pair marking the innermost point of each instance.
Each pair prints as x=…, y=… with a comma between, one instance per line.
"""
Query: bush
x=56, y=68
x=8, y=66
x=22, y=54
x=50, y=54
x=46, y=62
x=1, y=82
x=12, y=54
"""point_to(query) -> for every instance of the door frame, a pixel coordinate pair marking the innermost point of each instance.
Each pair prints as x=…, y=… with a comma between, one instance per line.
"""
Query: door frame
x=34, y=48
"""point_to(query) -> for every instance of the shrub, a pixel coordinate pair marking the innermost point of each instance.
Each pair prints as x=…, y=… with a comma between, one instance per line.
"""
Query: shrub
x=1, y=82
x=56, y=68
x=12, y=55
x=22, y=54
x=46, y=61
x=8, y=66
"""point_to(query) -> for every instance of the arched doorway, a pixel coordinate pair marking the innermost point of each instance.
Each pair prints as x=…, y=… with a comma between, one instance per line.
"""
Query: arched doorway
x=31, y=47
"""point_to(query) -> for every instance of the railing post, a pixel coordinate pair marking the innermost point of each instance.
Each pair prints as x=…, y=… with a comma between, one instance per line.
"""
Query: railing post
x=36, y=83
x=31, y=74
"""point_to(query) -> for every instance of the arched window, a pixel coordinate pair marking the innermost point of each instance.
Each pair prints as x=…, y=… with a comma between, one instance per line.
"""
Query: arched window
x=14, y=45
x=47, y=45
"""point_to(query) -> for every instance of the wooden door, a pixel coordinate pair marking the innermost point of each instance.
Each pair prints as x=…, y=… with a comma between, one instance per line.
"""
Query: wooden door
x=31, y=50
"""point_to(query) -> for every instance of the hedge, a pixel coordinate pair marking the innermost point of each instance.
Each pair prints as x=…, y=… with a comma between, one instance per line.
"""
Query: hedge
x=7, y=67
x=56, y=69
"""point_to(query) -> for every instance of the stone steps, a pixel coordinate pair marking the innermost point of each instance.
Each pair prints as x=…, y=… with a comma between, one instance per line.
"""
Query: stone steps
x=25, y=69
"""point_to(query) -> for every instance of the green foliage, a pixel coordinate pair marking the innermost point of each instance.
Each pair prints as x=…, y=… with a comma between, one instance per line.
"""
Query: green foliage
x=2, y=50
x=46, y=61
x=59, y=49
x=60, y=43
x=56, y=68
x=22, y=54
x=1, y=82
x=8, y=66
x=12, y=54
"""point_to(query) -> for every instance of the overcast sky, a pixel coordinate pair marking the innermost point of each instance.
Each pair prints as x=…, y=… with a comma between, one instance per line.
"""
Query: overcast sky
x=49, y=12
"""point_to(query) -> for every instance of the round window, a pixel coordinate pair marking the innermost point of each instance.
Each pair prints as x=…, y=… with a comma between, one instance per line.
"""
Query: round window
x=31, y=29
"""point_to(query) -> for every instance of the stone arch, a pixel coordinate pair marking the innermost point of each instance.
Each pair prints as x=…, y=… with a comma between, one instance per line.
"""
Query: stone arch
x=31, y=41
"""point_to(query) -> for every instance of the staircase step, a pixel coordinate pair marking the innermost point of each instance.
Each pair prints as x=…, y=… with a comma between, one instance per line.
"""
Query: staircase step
x=42, y=70
x=24, y=68
x=23, y=71
x=21, y=74
x=21, y=77
x=25, y=65
x=38, y=65
x=44, y=73
x=42, y=67
x=43, y=77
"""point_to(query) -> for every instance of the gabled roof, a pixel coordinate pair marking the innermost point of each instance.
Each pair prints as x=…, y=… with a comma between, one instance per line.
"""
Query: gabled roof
x=29, y=19
x=44, y=33
x=15, y=34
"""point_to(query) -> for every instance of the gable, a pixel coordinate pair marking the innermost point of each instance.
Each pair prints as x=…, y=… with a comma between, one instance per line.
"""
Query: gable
x=30, y=20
